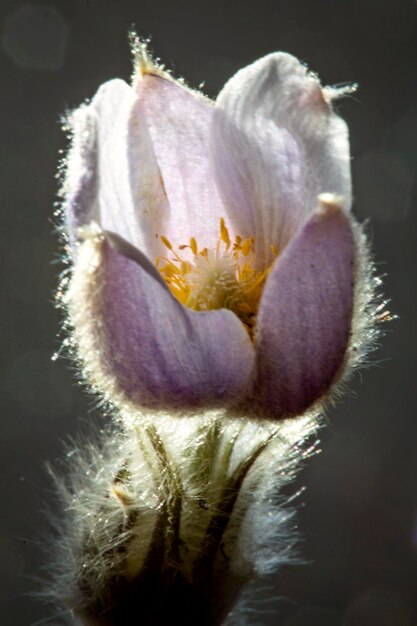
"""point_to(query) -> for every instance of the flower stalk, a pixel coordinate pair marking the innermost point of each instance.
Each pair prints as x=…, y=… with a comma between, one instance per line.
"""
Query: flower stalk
x=168, y=522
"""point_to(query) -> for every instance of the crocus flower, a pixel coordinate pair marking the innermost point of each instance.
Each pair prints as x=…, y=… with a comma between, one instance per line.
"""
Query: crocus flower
x=216, y=262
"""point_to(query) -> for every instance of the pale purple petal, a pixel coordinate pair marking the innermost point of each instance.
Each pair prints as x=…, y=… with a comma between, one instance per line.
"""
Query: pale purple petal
x=276, y=145
x=113, y=177
x=179, y=123
x=80, y=186
x=304, y=318
x=159, y=353
x=133, y=202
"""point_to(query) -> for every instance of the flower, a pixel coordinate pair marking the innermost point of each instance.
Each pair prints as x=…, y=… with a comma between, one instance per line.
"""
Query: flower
x=215, y=259
x=216, y=272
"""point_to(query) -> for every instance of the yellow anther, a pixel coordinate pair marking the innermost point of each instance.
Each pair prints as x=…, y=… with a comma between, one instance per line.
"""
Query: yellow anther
x=193, y=245
x=223, y=276
x=166, y=242
x=224, y=233
x=185, y=267
x=246, y=247
x=169, y=269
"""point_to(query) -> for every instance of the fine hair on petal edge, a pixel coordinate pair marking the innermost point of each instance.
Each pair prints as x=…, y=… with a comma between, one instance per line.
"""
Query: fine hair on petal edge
x=369, y=313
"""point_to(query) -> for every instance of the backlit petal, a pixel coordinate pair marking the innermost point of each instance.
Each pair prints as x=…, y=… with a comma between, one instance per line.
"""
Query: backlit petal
x=179, y=123
x=276, y=145
x=305, y=315
x=80, y=185
x=113, y=177
x=143, y=346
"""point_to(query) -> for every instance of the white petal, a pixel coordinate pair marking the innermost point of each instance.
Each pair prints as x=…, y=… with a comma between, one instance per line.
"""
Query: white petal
x=179, y=123
x=276, y=145
x=123, y=190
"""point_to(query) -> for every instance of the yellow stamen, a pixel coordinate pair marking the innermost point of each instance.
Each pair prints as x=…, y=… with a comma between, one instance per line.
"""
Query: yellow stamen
x=246, y=247
x=224, y=233
x=193, y=246
x=166, y=242
x=224, y=277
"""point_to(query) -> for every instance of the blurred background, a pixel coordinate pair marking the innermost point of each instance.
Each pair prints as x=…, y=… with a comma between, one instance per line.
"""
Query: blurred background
x=358, y=515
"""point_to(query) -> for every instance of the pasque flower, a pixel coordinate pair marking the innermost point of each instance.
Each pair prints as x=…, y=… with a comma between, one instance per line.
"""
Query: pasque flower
x=216, y=272
x=216, y=262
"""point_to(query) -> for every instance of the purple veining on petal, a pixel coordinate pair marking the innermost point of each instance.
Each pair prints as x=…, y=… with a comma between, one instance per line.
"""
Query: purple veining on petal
x=179, y=123
x=305, y=315
x=276, y=145
x=161, y=354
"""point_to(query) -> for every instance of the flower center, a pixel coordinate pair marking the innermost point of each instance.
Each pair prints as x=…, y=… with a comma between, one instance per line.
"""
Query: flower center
x=223, y=278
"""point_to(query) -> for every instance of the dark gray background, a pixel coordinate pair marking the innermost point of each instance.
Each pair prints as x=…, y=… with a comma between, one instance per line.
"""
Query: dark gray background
x=358, y=516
